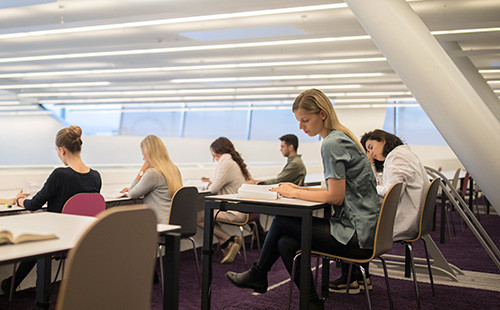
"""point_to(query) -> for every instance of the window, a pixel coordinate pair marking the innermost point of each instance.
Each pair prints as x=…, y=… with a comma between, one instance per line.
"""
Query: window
x=413, y=126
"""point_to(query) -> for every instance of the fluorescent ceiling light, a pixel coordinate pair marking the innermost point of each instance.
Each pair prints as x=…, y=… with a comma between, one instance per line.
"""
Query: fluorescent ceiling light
x=184, y=49
x=173, y=21
x=219, y=46
x=221, y=97
x=494, y=82
x=489, y=71
x=25, y=113
x=196, y=67
x=9, y=102
x=185, y=91
x=49, y=85
x=279, y=77
x=18, y=107
x=462, y=31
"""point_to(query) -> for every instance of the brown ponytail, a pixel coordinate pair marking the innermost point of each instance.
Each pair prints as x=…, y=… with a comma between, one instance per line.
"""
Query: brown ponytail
x=70, y=138
x=223, y=145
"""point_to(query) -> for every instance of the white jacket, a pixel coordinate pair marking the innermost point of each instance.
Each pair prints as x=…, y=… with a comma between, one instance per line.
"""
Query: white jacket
x=402, y=165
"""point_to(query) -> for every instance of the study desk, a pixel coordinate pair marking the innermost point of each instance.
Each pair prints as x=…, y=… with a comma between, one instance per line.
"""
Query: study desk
x=68, y=229
x=284, y=207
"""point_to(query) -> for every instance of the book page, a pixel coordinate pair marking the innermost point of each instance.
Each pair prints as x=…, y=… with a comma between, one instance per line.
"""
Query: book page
x=257, y=191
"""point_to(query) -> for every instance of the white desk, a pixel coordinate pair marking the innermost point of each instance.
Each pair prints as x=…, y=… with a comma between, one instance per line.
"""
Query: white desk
x=68, y=229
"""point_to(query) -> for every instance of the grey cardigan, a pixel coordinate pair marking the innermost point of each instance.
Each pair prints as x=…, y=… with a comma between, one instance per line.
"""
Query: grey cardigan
x=154, y=188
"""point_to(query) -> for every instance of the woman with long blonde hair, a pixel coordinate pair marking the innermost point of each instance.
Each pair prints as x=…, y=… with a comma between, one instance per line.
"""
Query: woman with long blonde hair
x=158, y=179
x=351, y=189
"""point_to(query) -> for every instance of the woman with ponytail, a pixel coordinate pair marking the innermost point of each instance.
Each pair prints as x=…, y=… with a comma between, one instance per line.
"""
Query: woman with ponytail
x=62, y=184
x=351, y=190
x=230, y=173
x=158, y=179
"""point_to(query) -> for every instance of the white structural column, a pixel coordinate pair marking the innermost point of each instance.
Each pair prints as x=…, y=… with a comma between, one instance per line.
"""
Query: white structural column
x=452, y=104
x=473, y=76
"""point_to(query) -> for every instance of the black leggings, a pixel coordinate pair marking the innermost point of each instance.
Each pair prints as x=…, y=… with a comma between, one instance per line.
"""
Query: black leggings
x=283, y=240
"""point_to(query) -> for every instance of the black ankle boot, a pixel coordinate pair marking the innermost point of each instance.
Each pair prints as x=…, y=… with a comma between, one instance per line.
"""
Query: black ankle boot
x=254, y=278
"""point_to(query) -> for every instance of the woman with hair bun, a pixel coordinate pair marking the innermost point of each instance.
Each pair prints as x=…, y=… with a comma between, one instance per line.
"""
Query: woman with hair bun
x=230, y=173
x=62, y=184
x=158, y=179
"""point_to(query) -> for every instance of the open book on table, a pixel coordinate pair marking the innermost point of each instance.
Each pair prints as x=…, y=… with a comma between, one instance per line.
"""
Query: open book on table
x=257, y=191
x=7, y=237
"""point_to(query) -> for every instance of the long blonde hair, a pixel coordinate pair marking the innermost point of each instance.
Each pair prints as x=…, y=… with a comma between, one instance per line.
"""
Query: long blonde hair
x=314, y=101
x=157, y=155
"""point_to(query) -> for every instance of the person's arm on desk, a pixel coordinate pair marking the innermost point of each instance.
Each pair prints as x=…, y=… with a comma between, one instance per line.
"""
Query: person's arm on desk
x=143, y=183
x=333, y=195
x=48, y=191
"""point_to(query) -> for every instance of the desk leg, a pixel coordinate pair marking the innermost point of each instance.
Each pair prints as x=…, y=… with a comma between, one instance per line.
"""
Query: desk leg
x=305, y=260
x=206, y=287
x=43, y=274
x=325, y=274
x=171, y=263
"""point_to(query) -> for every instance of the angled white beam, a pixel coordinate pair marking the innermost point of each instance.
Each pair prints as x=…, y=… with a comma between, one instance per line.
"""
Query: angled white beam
x=452, y=104
x=473, y=76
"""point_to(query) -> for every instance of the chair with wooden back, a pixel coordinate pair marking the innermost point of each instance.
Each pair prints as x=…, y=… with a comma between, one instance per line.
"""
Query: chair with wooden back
x=424, y=228
x=382, y=244
x=84, y=204
x=111, y=266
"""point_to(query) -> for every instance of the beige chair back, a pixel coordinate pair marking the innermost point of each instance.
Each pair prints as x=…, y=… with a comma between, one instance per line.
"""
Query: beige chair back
x=385, y=224
x=111, y=266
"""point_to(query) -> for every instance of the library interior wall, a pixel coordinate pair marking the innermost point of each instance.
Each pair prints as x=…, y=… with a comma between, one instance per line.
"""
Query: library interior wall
x=29, y=152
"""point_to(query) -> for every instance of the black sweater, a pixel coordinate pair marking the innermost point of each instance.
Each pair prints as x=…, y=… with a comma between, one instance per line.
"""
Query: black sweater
x=62, y=184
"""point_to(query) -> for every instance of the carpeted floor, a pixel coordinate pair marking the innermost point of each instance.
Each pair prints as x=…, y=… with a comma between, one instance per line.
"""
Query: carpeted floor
x=463, y=250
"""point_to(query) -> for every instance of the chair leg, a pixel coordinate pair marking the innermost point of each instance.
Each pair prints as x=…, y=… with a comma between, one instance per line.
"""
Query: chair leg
x=317, y=270
x=161, y=267
x=294, y=267
x=58, y=269
x=196, y=259
x=243, y=244
x=391, y=304
x=256, y=231
x=428, y=266
x=12, y=284
x=349, y=279
x=366, y=287
x=415, y=284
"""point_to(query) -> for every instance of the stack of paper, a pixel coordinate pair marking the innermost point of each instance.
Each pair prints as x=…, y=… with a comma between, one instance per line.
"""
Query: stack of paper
x=257, y=191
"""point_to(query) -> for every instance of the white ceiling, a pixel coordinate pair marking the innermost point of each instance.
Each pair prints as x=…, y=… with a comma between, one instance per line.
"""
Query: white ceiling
x=269, y=74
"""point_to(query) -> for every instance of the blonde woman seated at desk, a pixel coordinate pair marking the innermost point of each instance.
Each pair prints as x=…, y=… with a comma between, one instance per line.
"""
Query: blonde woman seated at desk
x=351, y=189
x=158, y=179
x=61, y=185
x=230, y=172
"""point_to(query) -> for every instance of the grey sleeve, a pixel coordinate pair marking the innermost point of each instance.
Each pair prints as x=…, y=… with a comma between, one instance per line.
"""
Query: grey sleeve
x=146, y=184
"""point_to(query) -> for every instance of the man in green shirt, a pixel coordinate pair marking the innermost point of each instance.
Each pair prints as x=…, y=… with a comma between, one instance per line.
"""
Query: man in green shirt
x=294, y=170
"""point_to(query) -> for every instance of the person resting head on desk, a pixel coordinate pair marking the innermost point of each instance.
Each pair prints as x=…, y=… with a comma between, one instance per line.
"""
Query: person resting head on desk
x=294, y=170
x=61, y=185
x=230, y=172
x=351, y=189
x=393, y=162
x=157, y=180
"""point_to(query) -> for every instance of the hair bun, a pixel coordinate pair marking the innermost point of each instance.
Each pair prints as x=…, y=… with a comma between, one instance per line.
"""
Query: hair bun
x=76, y=132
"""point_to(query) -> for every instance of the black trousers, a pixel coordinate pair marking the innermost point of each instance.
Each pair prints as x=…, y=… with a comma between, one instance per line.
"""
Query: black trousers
x=283, y=240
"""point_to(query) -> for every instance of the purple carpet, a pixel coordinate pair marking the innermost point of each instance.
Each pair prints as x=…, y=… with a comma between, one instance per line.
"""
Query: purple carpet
x=463, y=250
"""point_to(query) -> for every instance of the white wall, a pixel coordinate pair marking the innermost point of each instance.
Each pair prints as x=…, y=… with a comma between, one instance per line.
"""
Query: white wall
x=29, y=140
